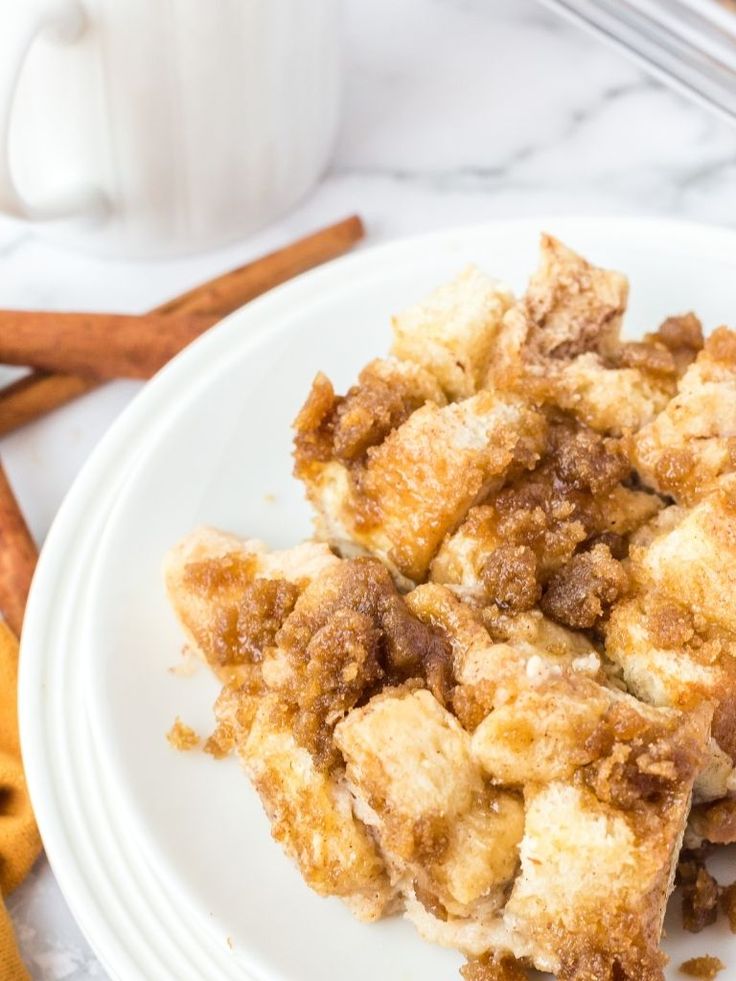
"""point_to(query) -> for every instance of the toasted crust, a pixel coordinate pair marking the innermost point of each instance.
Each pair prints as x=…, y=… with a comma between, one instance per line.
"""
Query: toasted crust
x=574, y=306
x=511, y=546
x=607, y=785
x=675, y=637
x=419, y=483
x=571, y=354
x=606, y=398
x=454, y=332
x=692, y=442
x=207, y=576
x=310, y=811
x=208, y=571
x=693, y=559
x=589, y=894
x=409, y=762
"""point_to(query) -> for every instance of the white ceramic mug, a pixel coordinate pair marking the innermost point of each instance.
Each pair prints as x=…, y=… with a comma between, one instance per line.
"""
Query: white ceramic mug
x=151, y=127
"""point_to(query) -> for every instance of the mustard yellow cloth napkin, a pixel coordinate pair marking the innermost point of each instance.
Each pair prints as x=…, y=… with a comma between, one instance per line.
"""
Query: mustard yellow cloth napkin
x=19, y=839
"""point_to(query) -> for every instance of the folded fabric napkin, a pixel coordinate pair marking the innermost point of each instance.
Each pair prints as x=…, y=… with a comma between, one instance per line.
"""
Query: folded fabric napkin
x=19, y=839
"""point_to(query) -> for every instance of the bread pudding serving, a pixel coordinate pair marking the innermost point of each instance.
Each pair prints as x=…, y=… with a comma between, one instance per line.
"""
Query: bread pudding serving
x=497, y=689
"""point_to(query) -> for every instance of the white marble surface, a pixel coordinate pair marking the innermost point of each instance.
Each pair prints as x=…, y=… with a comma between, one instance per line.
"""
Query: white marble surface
x=456, y=111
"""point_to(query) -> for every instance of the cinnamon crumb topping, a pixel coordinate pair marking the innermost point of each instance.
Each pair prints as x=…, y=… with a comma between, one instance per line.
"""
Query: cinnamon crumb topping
x=585, y=588
x=586, y=461
x=472, y=703
x=510, y=577
x=721, y=346
x=522, y=536
x=347, y=638
x=265, y=605
x=700, y=893
x=716, y=822
x=624, y=958
x=315, y=426
x=368, y=413
x=683, y=337
x=344, y=427
x=669, y=624
x=675, y=468
x=647, y=356
x=637, y=762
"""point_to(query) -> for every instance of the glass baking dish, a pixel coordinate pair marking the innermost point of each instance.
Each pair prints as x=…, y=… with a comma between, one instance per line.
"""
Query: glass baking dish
x=690, y=44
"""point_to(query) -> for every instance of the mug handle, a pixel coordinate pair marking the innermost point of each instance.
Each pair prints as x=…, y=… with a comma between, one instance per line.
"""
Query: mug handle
x=65, y=20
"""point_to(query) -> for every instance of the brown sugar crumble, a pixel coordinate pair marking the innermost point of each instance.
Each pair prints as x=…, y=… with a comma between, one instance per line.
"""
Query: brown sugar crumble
x=700, y=902
x=182, y=737
x=700, y=891
x=563, y=501
x=510, y=577
x=668, y=351
x=716, y=822
x=344, y=427
x=682, y=333
x=560, y=529
x=702, y=895
x=581, y=592
x=369, y=412
x=348, y=640
x=264, y=606
x=703, y=967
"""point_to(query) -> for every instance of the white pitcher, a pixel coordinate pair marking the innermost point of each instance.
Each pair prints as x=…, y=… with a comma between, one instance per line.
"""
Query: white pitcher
x=152, y=127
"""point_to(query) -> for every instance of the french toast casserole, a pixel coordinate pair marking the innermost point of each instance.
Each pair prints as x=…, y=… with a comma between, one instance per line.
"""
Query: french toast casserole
x=497, y=689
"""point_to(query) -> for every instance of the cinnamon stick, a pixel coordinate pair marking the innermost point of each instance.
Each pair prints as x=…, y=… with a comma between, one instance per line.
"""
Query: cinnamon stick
x=96, y=345
x=40, y=393
x=231, y=290
x=31, y=397
x=18, y=557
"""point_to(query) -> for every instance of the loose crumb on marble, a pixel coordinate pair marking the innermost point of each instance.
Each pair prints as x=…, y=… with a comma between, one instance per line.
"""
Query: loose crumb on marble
x=269, y=498
x=702, y=967
x=182, y=737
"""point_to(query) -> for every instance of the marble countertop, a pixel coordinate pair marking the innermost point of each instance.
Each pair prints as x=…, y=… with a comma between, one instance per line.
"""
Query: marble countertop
x=456, y=111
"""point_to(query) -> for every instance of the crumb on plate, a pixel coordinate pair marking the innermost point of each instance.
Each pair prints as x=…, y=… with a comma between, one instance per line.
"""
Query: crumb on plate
x=700, y=893
x=182, y=737
x=702, y=967
x=728, y=905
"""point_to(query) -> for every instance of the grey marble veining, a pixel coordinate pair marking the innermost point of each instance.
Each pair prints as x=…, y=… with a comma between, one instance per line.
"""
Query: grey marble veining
x=51, y=942
x=456, y=111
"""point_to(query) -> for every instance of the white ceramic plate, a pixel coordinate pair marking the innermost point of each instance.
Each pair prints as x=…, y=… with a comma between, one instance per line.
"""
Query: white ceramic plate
x=166, y=858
